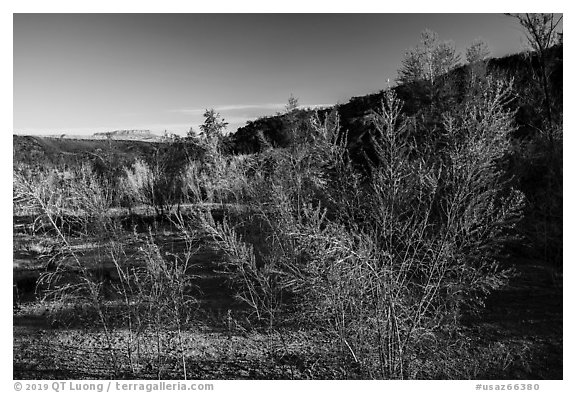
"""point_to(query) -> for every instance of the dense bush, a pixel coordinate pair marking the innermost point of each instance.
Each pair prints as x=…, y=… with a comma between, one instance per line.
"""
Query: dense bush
x=385, y=261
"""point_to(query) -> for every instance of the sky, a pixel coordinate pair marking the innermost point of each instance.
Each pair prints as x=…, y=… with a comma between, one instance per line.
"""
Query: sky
x=84, y=73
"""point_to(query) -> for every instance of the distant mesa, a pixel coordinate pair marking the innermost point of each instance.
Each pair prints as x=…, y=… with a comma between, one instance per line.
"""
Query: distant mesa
x=124, y=133
x=139, y=135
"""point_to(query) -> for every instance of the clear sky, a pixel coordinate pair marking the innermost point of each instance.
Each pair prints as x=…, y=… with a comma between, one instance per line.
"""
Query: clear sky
x=84, y=73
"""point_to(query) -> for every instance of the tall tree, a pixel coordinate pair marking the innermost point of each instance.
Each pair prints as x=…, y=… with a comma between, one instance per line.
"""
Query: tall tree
x=477, y=51
x=543, y=182
x=542, y=34
x=476, y=55
x=292, y=104
x=428, y=60
x=212, y=132
x=214, y=125
x=295, y=133
x=426, y=63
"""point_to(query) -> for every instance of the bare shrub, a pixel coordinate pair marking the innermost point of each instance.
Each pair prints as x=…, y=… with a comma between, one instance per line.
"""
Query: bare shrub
x=158, y=298
x=158, y=183
x=72, y=200
x=92, y=270
x=222, y=179
x=387, y=263
x=256, y=283
x=139, y=184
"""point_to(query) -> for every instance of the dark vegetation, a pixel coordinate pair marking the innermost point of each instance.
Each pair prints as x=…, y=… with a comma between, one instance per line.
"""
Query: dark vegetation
x=411, y=233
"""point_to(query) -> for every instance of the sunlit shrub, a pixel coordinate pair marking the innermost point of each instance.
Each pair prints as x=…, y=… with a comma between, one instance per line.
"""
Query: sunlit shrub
x=383, y=261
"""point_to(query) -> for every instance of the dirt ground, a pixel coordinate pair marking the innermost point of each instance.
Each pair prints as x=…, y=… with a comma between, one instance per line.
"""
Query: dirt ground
x=518, y=336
